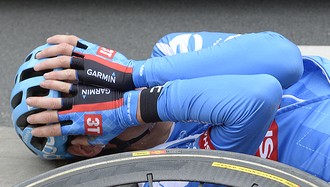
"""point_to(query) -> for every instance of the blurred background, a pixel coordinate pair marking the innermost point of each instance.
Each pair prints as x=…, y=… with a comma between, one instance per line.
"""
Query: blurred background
x=132, y=27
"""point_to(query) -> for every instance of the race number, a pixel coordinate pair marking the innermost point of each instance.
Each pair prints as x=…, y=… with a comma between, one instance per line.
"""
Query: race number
x=107, y=53
x=269, y=146
x=93, y=124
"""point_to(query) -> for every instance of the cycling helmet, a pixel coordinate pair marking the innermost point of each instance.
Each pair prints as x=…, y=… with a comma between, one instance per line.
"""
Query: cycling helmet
x=27, y=84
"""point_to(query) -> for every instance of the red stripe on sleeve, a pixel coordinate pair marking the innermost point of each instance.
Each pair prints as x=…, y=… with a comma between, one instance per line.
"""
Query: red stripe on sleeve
x=109, y=64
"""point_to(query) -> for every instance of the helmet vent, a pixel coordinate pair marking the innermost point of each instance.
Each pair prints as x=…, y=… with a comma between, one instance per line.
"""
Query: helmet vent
x=37, y=91
x=28, y=57
x=38, y=143
x=17, y=99
x=30, y=73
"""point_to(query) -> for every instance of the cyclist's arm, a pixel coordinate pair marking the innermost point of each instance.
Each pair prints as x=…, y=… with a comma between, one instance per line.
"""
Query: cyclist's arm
x=255, y=53
x=240, y=107
x=246, y=54
x=183, y=42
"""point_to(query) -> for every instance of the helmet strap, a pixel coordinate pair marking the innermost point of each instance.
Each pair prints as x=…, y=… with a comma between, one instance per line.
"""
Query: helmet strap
x=122, y=145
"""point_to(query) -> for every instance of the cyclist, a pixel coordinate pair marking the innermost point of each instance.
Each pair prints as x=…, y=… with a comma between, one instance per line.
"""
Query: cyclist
x=215, y=89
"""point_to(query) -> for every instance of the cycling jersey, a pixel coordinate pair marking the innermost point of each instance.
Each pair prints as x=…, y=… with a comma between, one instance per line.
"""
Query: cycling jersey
x=299, y=135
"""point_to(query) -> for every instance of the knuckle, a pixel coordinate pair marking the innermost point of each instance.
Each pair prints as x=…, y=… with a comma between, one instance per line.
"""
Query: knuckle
x=62, y=61
x=67, y=74
x=61, y=46
x=72, y=75
x=62, y=88
x=64, y=47
x=49, y=117
x=52, y=130
x=73, y=38
x=53, y=104
x=46, y=117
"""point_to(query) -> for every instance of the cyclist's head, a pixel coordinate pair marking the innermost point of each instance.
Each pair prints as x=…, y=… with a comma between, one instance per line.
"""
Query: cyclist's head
x=27, y=84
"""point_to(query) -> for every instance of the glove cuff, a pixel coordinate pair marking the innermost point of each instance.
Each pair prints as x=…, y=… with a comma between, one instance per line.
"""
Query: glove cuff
x=148, y=104
x=129, y=110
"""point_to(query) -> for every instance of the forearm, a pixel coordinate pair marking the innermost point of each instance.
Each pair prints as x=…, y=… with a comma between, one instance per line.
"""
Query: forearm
x=239, y=107
x=256, y=53
x=225, y=100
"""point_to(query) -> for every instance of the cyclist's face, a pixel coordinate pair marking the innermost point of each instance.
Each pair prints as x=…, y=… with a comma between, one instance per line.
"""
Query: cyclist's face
x=84, y=150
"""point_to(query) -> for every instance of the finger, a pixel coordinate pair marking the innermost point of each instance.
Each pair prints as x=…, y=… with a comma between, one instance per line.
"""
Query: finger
x=80, y=140
x=56, y=85
x=47, y=130
x=44, y=102
x=67, y=74
x=57, y=39
x=60, y=49
x=52, y=63
x=98, y=140
x=44, y=117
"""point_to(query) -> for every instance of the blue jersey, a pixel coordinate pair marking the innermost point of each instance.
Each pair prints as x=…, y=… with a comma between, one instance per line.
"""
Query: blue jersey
x=303, y=135
x=300, y=126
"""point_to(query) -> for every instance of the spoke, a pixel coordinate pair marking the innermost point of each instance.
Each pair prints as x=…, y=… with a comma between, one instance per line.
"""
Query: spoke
x=150, y=179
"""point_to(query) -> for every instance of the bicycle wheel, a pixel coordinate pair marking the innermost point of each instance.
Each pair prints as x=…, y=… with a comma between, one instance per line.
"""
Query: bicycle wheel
x=205, y=166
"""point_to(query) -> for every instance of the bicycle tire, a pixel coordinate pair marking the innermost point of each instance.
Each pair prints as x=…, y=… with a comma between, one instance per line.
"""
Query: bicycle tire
x=206, y=166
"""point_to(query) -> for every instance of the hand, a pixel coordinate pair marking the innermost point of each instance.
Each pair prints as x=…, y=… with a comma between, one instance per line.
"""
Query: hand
x=71, y=45
x=88, y=63
x=100, y=113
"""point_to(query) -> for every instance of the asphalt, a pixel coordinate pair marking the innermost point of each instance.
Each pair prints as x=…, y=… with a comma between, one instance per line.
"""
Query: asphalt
x=132, y=27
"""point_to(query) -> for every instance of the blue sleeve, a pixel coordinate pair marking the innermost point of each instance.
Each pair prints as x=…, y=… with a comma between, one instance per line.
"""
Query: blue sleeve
x=240, y=107
x=176, y=43
x=246, y=54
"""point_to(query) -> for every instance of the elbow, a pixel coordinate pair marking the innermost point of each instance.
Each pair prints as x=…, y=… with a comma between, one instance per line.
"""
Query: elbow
x=292, y=64
x=288, y=63
x=268, y=92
